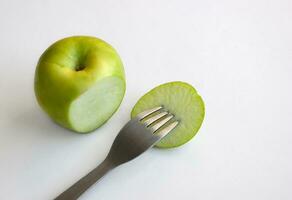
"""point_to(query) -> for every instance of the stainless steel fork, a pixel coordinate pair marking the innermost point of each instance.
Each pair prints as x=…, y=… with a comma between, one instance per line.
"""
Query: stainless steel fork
x=137, y=136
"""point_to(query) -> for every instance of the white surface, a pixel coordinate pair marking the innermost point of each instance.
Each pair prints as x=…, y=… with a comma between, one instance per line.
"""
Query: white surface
x=238, y=54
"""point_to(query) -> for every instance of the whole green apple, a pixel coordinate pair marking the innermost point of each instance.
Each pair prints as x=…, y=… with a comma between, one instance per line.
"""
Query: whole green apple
x=80, y=82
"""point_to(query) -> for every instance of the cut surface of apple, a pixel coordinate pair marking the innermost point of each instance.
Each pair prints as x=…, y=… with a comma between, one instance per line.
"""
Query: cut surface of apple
x=180, y=99
x=94, y=107
x=80, y=82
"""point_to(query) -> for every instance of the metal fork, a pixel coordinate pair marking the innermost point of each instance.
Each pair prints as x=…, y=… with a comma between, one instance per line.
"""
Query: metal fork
x=137, y=136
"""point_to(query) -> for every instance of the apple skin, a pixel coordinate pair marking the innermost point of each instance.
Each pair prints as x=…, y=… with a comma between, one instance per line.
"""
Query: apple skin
x=70, y=67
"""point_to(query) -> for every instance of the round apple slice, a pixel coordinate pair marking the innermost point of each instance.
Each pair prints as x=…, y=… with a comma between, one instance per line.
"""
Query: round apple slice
x=180, y=99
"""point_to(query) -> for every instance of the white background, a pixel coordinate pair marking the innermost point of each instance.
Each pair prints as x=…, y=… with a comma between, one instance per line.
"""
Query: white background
x=238, y=55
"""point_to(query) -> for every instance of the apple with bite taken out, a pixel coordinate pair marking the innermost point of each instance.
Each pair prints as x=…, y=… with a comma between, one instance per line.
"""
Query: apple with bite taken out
x=80, y=82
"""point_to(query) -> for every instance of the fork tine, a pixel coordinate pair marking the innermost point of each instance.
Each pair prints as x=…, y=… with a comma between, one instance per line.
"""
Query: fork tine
x=146, y=113
x=167, y=129
x=158, y=125
x=153, y=119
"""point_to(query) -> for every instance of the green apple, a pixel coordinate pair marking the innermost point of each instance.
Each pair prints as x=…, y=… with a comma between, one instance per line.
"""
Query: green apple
x=80, y=82
x=182, y=100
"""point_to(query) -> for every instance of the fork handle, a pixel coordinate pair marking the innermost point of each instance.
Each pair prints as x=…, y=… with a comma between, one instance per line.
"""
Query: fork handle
x=76, y=190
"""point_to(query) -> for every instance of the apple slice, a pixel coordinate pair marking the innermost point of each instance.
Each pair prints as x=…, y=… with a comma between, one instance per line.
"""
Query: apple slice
x=184, y=102
x=80, y=82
